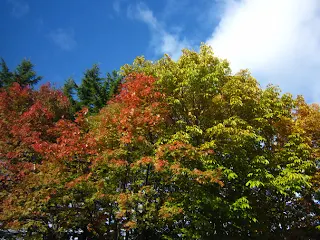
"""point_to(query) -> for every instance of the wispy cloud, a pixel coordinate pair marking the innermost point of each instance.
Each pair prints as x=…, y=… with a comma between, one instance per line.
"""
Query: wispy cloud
x=63, y=38
x=279, y=41
x=119, y=5
x=19, y=8
x=116, y=6
x=161, y=41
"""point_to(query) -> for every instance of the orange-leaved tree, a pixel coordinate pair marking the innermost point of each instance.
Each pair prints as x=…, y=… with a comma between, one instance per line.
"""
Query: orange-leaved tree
x=145, y=168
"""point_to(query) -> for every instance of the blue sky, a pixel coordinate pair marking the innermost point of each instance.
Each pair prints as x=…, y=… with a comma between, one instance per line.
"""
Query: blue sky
x=277, y=40
x=63, y=38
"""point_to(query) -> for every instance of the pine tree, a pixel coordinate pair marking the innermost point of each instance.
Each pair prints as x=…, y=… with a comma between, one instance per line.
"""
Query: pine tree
x=90, y=92
x=112, y=84
x=94, y=91
x=25, y=74
x=5, y=74
x=69, y=89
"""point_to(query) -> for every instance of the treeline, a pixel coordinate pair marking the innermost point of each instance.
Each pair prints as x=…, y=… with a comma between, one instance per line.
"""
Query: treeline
x=157, y=150
x=93, y=92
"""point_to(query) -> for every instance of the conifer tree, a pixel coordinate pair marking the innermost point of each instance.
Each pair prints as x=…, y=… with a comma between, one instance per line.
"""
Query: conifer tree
x=5, y=74
x=94, y=90
x=90, y=92
x=69, y=89
x=25, y=74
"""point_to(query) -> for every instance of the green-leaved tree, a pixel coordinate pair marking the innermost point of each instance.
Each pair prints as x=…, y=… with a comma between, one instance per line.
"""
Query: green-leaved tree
x=94, y=91
x=24, y=74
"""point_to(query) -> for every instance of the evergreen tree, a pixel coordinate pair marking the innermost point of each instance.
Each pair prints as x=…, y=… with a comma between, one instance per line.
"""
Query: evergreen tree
x=112, y=84
x=70, y=90
x=25, y=74
x=91, y=92
x=5, y=74
x=94, y=91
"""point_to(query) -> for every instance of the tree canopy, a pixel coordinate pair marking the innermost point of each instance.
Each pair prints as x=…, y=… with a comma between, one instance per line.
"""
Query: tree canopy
x=24, y=74
x=181, y=150
x=94, y=90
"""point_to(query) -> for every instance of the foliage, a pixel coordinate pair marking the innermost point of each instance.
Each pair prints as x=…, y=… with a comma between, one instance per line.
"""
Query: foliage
x=5, y=74
x=24, y=74
x=25, y=117
x=184, y=150
x=149, y=165
x=260, y=146
x=94, y=91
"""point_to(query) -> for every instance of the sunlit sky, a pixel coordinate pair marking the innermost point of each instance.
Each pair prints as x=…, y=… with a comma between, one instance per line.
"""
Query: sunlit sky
x=277, y=40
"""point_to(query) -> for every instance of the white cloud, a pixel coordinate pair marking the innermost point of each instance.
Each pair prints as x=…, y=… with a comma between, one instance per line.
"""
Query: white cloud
x=162, y=41
x=63, y=38
x=277, y=40
x=19, y=8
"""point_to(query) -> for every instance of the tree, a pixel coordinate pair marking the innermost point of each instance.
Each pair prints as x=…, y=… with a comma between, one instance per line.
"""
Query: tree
x=91, y=92
x=112, y=83
x=26, y=116
x=56, y=205
x=5, y=74
x=184, y=150
x=69, y=89
x=25, y=74
x=94, y=91
x=266, y=161
x=146, y=169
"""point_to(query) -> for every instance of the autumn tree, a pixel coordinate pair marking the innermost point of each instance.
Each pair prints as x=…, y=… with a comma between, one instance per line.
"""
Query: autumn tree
x=25, y=117
x=265, y=159
x=147, y=170
x=185, y=150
